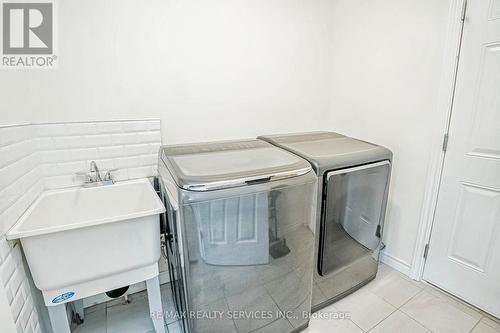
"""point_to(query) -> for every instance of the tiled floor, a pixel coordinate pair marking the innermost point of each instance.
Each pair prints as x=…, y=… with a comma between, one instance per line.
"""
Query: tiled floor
x=390, y=303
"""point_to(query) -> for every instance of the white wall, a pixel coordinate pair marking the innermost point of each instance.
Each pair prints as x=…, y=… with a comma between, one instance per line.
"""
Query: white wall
x=228, y=69
x=387, y=57
x=209, y=69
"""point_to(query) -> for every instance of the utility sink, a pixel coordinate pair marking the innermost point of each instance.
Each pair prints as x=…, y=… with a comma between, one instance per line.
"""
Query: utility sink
x=83, y=241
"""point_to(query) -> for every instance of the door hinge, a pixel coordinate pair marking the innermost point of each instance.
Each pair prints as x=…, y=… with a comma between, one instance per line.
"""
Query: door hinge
x=426, y=251
x=464, y=9
x=445, y=142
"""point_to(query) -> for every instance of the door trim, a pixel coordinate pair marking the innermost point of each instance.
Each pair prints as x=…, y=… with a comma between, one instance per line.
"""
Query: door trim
x=444, y=110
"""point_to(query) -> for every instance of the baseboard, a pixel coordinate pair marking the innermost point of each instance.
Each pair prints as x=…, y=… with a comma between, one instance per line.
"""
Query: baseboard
x=396, y=263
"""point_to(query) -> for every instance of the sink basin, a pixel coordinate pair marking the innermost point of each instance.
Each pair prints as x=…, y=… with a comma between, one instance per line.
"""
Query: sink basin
x=83, y=241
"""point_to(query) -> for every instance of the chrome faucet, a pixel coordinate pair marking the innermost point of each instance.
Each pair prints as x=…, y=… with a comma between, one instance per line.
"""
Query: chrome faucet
x=94, y=178
x=95, y=170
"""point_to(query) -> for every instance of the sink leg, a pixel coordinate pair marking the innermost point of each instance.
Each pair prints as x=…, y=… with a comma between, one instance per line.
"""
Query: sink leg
x=155, y=307
x=79, y=308
x=59, y=318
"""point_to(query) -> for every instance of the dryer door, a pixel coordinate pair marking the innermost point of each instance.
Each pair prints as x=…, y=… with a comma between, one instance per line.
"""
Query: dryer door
x=353, y=215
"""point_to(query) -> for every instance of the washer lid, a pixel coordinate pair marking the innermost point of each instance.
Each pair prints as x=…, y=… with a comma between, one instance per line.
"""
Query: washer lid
x=224, y=164
x=329, y=150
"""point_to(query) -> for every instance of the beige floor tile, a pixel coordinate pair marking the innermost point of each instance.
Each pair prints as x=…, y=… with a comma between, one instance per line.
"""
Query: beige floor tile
x=454, y=301
x=399, y=322
x=94, y=308
x=95, y=321
x=331, y=319
x=483, y=328
x=366, y=309
x=133, y=317
x=437, y=314
x=494, y=323
x=394, y=289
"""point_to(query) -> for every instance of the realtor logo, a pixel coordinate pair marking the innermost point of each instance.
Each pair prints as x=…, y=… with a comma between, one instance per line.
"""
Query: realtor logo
x=27, y=34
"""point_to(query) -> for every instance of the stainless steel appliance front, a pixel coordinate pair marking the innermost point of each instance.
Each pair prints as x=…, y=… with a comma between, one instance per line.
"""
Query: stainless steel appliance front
x=353, y=211
x=241, y=257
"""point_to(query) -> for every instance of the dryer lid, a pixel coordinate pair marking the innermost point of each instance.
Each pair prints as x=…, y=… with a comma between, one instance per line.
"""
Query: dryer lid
x=225, y=164
x=329, y=150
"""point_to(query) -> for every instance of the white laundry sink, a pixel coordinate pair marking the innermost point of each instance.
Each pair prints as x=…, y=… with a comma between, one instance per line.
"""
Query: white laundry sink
x=83, y=241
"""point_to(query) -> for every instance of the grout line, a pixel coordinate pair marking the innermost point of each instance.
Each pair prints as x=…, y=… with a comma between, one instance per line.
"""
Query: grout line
x=411, y=298
x=409, y=316
x=390, y=314
x=419, y=323
x=493, y=319
x=472, y=329
x=352, y=321
x=450, y=297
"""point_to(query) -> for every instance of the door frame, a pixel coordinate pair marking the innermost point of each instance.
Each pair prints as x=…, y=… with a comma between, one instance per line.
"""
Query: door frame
x=444, y=108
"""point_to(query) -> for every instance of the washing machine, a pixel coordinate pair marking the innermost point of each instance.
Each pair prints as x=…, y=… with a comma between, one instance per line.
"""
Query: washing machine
x=238, y=235
x=353, y=183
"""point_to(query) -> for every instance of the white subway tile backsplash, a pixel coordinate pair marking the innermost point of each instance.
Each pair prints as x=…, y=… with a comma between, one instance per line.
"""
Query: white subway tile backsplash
x=17, y=306
x=85, y=128
x=154, y=125
x=9, y=218
x=134, y=150
x=4, y=156
x=104, y=165
x=14, y=134
x=108, y=127
x=120, y=174
x=154, y=169
x=7, y=176
x=15, y=283
x=110, y=152
x=70, y=168
x=65, y=142
x=26, y=312
x=19, y=150
x=124, y=139
x=154, y=148
x=4, y=250
x=127, y=162
x=8, y=196
x=34, y=319
x=44, y=143
x=54, y=156
x=140, y=172
x=146, y=137
x=55, y=182
x=135, y=126
x=10, y=295
x=84, y=154
x=55, y=152
x=7, y=270
x=39, y=157
x=148, y=160
x=97, y=140
x=27, y=181
x=50, y=130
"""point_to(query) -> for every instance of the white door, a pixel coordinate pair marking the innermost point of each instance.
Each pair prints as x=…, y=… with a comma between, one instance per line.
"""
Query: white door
x=464, y=252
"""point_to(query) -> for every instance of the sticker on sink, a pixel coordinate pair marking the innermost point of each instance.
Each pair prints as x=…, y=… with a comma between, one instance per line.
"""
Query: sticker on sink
x=63, y=297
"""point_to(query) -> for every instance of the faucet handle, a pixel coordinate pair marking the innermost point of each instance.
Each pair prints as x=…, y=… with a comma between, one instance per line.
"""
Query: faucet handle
x=108, y=174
